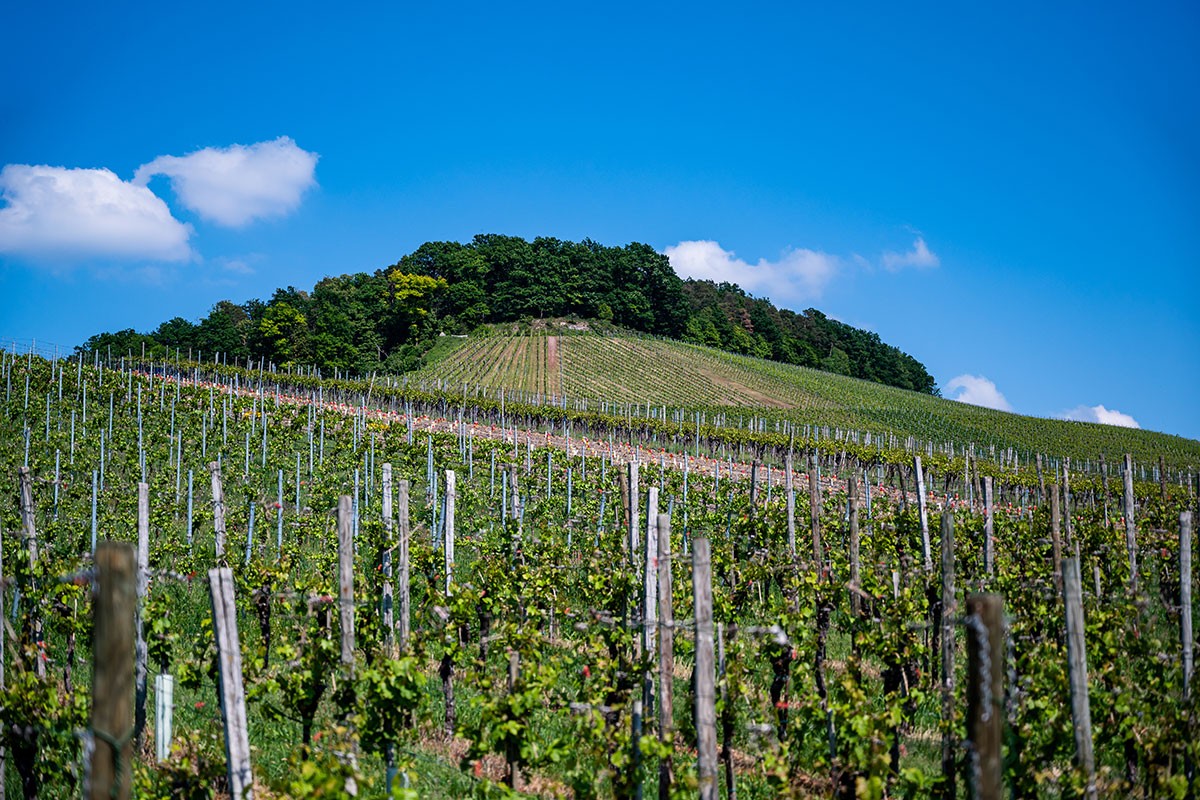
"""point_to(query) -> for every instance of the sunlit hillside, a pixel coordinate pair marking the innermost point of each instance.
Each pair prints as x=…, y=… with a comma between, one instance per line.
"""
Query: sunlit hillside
x=620, y=369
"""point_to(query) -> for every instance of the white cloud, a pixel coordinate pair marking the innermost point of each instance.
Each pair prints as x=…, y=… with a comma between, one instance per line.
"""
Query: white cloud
x=978, y=391
x=235, y=185
x=1105, y=416
x=59, y=213
x=797, y=274
x=919, y=256
x=239, y=265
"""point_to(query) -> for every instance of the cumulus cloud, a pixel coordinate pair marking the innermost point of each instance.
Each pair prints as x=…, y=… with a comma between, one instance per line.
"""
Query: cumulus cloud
x=60, y=213
x=1105, y=416
x=796, y=274
x=235, y=185
x=978, y=391
x=920, y=256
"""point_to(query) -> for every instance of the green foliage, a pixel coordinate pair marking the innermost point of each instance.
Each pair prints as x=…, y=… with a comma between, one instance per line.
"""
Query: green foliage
x=284, y=333
x=390, y=692
x=562, y=591
x=195, y=766
x=724, y=316
x=326, y=772
x=37, y=727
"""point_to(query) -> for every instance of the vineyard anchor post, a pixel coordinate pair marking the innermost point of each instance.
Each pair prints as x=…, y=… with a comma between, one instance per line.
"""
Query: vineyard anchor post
x=388, y=544
x=666, y=656
x=1056, y=536
x=109, y=770
x=1130, y=523
x=923, y=511
x=705, y=671
x=949, y=740
x=402, y=579
x=346, y=578
x=985, y=692
x=1081, y=713
x=232, y=691
x=218, y=501
x=143, y=582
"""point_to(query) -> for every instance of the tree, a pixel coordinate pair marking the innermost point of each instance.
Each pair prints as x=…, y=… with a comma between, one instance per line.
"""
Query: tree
x=513, y=275
x=700, y=330
x=225, y=330
x=411, y=297
x=121, y=343
x=176, y=332
x=284, y=333
x=351, y=323
x=464, y=305
x=837, y=361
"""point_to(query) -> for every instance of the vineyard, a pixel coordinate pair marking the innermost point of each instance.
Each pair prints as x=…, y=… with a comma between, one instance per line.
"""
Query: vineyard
x=492, y=579
x=616, y=370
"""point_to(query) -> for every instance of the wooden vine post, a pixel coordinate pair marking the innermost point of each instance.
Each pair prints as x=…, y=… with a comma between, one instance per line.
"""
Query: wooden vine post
x=949, y=740
x=1081, y=714
x=923, y=511
x=814, y=510
x=1185, y=597
x=232, y=691
x=1066, y=501
x=512, y=753
x=855, y=577
x=706, y=696
x=666, y=658
x=402, y=578
x=1056, y=536
x=30, y=540
x=1041, y=476
x=650, y=586
x=28, y=526
x=516, y=502
x=1185, y=617
x=389, y=543
x=346, y=578
x=985, y=693
x=1130, y=524
x=218, y=501
x=3, y=750
x=989, y=528
x=790, y=499
x=1162, y=477
x=110, y=768
x=632, y=470
x=448, y=538
x=727, y=716
x=143, y=584
x=642, y=704
x=754, y=470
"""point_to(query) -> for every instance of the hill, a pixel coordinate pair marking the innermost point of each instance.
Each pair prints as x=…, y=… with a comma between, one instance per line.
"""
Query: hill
x=386, y=321
x=554, y=362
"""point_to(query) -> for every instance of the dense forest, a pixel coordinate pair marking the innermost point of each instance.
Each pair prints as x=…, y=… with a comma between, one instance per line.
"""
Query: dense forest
x=387, y=320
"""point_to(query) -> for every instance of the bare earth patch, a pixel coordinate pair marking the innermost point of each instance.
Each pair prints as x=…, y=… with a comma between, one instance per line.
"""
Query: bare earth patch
x=758, y=397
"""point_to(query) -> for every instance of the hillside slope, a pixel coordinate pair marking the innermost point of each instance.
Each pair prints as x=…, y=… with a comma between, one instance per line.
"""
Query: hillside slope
x=617, y=370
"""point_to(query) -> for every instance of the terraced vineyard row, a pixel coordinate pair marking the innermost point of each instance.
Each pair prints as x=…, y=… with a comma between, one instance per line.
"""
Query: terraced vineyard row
x=623, y=370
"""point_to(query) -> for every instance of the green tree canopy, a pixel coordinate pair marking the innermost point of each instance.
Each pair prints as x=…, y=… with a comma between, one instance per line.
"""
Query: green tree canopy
x=388, y=319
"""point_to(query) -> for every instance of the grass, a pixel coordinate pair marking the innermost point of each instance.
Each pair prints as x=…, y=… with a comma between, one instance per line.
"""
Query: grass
x=443, y=348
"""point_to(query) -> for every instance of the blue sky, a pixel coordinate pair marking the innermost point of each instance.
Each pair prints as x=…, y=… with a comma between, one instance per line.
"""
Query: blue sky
x=1010, y=194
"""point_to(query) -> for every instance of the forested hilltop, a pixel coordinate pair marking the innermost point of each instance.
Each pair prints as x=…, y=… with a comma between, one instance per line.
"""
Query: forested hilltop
x=388, y=320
